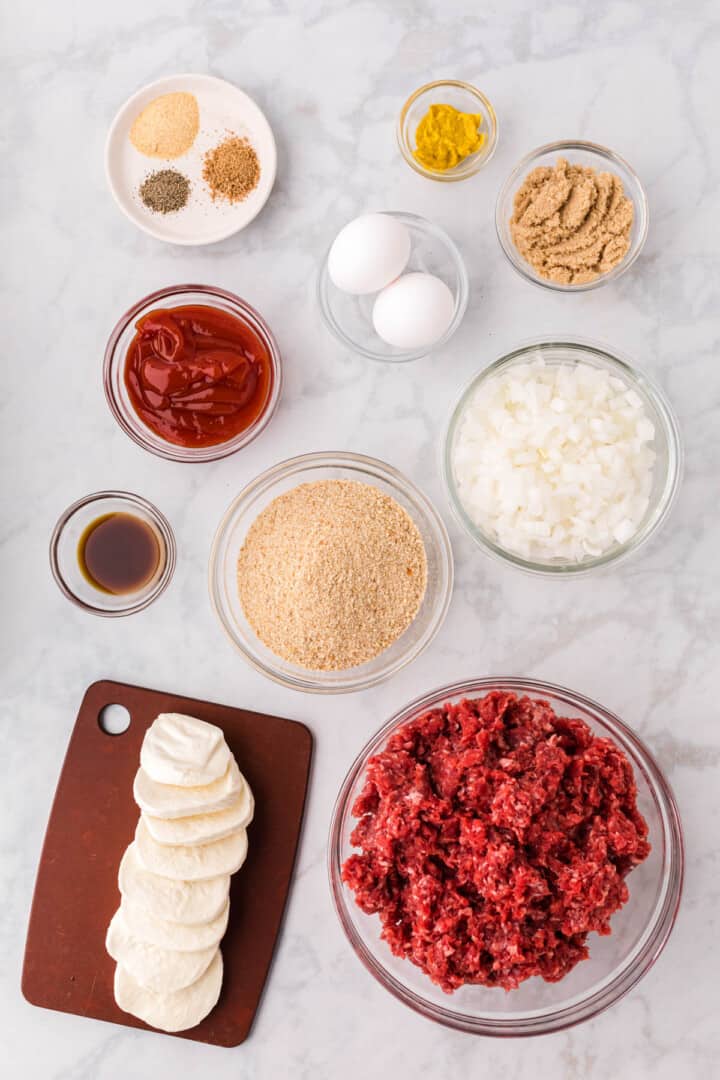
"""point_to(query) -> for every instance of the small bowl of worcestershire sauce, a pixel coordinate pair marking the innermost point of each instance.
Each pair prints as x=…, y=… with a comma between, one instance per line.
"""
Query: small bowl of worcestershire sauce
x=192, y=373
x=112, y=553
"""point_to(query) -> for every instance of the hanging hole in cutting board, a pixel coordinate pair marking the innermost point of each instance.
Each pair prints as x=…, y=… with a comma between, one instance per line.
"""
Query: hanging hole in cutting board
x=114, y=719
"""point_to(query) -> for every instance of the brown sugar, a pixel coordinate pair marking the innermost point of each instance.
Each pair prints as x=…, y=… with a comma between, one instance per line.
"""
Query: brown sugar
x=331, y=573
x=571, y=223
x=232, y=169
x=167, y=127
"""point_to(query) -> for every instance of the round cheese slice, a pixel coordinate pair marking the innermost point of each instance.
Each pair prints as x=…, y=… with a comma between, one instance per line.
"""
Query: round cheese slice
x=155, y=968
x=203, y=828
x=174, y=801
x=171, y=935
x=191, y=862
x=184, y=751
x=185, y=902
x=174, y=1011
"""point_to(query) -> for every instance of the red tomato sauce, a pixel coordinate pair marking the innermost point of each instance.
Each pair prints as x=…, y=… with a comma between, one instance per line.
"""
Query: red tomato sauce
x=197, y=375
x=495, y=836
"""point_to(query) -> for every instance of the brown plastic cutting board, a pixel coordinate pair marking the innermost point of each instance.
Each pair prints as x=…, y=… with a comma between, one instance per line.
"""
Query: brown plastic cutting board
x=93, y=820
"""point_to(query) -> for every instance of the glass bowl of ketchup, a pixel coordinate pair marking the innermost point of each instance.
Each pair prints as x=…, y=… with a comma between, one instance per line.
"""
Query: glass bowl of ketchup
x=192, y=373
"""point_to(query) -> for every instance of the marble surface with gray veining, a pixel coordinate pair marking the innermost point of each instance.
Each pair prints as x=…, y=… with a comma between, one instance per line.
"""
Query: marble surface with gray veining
x=641, y=78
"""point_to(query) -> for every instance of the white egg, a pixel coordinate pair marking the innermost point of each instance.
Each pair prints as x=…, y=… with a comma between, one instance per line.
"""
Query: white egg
x=413, y=311
x=369, y=253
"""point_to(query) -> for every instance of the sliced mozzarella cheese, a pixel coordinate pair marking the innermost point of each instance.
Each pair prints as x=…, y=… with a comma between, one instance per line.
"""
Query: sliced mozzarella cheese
x=203, y=828
x=175, y=1011
x=185, y=902
x=184, y=751
x=155, y=968
x=174, y=801
x=167, y=934
x=191, y=862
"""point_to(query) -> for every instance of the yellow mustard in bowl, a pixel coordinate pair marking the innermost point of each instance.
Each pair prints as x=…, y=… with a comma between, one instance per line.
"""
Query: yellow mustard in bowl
x=445, y=137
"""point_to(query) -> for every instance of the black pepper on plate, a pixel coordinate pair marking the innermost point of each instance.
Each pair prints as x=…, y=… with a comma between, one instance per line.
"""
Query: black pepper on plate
x=165, y=191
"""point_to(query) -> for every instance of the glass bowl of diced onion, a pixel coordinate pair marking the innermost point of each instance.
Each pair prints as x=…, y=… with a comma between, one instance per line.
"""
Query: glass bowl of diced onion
x=562, y=457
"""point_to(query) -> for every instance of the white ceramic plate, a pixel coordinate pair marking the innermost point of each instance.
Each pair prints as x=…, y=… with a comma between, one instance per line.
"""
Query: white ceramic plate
x=224, y=109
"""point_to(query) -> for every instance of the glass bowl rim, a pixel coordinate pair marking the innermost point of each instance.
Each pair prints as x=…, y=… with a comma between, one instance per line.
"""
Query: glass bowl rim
x=461, y=300
x=134, y=502
x=451, y=176
x=266, y=481
x=630, y=974
x=633, y=374
x=141, y=435
x=641, y=206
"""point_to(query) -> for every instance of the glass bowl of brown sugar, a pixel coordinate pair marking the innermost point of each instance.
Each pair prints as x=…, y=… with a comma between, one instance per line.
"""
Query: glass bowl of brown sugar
x=289, y=606
x=579, y=247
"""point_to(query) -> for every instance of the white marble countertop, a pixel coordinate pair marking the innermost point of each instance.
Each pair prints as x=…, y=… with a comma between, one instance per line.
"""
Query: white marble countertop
x=642, y=640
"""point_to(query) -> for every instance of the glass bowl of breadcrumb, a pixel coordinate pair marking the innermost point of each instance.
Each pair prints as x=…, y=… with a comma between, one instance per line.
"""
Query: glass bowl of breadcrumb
x=330, y=572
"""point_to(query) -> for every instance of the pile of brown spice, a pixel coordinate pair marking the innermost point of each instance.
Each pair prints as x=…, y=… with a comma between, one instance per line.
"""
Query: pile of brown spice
x=165, y=192
x=571, y=223
x=331, y=573
x=167, y=127
x=232, y=169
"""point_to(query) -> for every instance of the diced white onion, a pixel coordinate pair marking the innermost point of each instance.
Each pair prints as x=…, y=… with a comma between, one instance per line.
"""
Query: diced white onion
x=555, y=461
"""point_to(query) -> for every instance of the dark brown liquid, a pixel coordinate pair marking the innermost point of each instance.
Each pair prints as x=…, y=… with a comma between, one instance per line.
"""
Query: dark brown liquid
x=119, y=553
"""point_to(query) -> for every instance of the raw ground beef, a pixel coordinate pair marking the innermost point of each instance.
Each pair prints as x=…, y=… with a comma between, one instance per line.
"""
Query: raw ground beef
x=494, y=837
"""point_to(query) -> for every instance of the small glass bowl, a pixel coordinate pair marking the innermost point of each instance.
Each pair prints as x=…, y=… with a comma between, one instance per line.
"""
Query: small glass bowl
x=462, y=96
x=349, y=317
x=616, y=963
x=577, y=153
x=65, y=564
x=114, y=371
x=308, y=468
x=667, y=446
